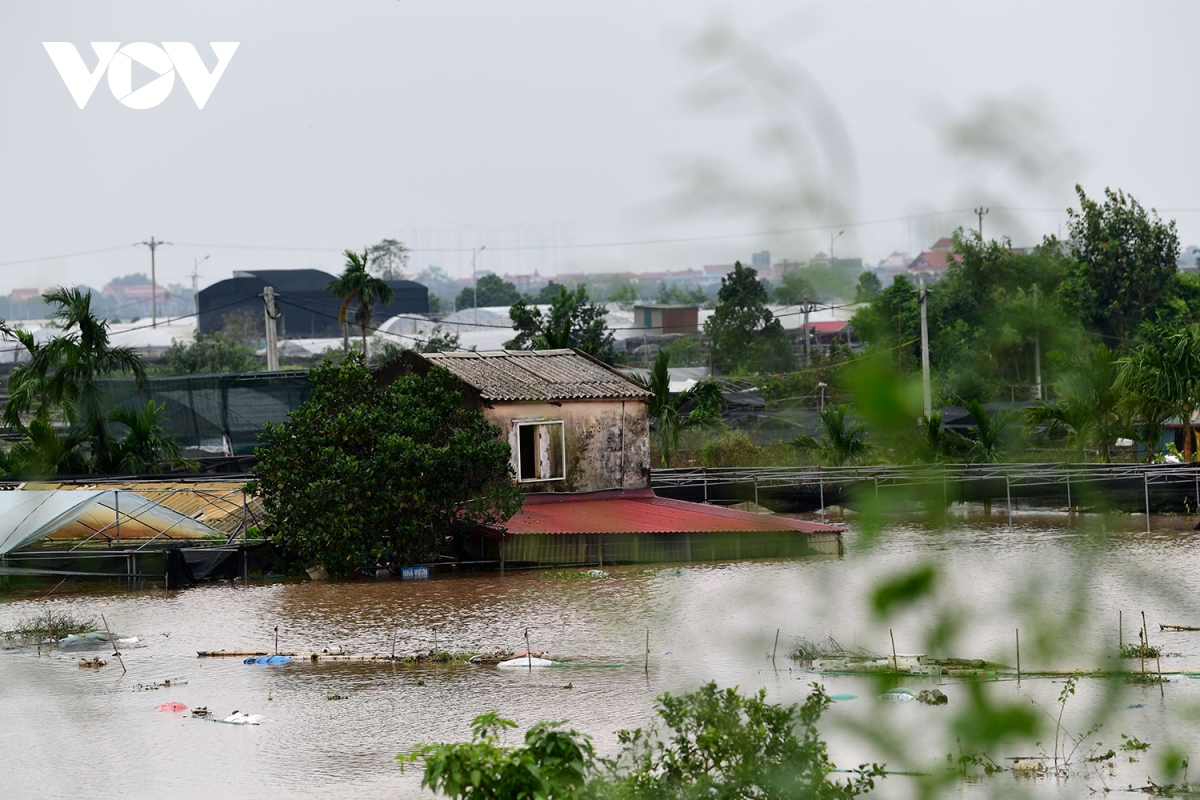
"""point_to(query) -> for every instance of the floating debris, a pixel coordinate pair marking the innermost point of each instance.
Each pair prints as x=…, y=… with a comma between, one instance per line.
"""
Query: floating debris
x=932, y=697
x=201, y=711
x=92, y=663
x=528, y=661
x=268, y=660
x=172, y=707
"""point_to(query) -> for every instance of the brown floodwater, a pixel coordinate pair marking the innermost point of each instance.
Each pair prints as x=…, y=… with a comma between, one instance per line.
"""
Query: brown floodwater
x=69, y=732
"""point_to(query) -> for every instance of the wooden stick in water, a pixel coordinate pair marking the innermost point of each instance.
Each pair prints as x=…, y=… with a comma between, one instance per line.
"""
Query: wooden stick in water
x=895, y=660
x=113, y=640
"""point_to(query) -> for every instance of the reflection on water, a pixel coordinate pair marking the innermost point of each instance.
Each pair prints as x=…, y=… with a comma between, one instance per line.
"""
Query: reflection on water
x=86, y=732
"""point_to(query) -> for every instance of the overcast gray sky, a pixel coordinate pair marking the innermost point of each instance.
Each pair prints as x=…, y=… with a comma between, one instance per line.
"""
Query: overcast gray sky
x=571, y=127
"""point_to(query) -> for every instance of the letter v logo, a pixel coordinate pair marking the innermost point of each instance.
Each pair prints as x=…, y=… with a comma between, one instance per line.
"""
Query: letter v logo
x=80, y=82
x=198, y=80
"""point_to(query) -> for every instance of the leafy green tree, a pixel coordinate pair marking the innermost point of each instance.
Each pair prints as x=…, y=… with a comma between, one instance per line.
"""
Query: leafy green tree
x=357, y=285
x=1161, y=379
x=546, y=294
x=678, y=296
x=213, y=353
x=841, y=443
x=492, y=290
x=553, y=763
x=722, y=744
x=61, y=373
x=362, y=472
x=671, y=414
x=146, y=447
x=623, y=294
x=1125, y=262
x=868, y=288
x=571, y=321
x=1089, y=410
x=746, y=336
x=717, y=744
x=389, y=258
x=686, y=351
x=794, y=289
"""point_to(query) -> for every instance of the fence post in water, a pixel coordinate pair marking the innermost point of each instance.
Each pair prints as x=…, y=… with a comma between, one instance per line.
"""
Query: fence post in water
x=1018, y=655
x=1070, y=508
x=776, y=647
x=528, y=652
x=1120, y=630
x=895, y=659
x=647, y=651
x=821, y=483
x=1008, y=495
x=1146, y=486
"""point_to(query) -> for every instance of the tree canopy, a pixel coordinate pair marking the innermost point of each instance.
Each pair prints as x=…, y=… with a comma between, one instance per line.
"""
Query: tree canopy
x=746, y=336
x=357, y=285
x=361, y=474
x=571, y=321
x=1125, y=262
x=493, y=291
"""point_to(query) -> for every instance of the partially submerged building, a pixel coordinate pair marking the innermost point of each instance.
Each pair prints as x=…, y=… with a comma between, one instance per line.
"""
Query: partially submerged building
x=580, y=438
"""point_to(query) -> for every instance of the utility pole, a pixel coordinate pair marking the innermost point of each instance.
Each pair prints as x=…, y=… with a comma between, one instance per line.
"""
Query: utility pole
x=833, y=237
x=807, y=356
x=925, y=353
x=270, y=315
x=153, y=244
x=1037, y=350
x=981, y=212
x=196, y=262
x=475, y=281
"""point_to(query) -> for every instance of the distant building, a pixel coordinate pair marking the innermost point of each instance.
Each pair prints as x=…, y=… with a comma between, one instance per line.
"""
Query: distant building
x=1189, y=259
x=931, y=264
x=761, y=261
x=308, y=310
x=662, y=319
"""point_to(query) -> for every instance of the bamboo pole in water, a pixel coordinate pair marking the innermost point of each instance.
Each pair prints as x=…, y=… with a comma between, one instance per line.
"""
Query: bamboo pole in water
x=895, y=660
x=1018, y=655
x=647, y=651
x=113, y=640
x=776, y=647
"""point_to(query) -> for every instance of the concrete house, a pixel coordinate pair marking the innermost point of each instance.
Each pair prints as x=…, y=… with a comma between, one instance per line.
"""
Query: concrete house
x=574, y=424
x=580, y=438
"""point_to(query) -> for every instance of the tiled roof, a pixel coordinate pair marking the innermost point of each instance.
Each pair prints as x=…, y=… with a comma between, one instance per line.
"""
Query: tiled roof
x=503, y=375
x=641, y=511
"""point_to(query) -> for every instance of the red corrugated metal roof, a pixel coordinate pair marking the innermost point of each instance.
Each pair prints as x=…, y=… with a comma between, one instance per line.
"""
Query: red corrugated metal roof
x=832, y=326
x=642, y=512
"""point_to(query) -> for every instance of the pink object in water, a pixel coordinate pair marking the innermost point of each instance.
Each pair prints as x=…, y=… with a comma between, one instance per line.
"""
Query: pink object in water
x=172, y=707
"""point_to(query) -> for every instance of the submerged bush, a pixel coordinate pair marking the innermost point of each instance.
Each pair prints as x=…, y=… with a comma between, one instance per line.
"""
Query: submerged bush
x=39, y=627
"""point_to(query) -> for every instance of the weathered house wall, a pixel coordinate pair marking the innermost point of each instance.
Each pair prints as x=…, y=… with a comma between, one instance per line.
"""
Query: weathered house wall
x=606, y=443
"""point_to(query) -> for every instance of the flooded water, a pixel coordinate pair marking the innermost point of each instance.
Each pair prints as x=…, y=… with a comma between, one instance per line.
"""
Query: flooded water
x=73, y=732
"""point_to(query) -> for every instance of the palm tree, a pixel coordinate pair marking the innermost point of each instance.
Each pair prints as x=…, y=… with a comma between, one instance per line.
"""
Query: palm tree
x=45, y=452
x=842, y=443
x=146, y=447
x=991, y=432
x=1089, y=409
x=62, y=372
x=935, y=443
x=355, y=284
x=1161, y=378
x=669, y=413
